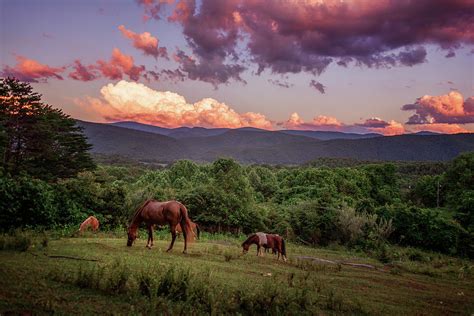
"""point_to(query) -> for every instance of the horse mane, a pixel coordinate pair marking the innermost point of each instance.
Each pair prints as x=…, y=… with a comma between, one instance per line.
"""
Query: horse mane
x=248, y=238
x=138, y=211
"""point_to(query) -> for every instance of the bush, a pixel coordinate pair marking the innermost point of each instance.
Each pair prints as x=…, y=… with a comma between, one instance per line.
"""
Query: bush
x=425, y=228
x=18, y=241
x=314, y=223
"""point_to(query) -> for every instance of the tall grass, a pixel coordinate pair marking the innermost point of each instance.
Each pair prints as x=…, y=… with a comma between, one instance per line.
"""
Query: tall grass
x=18, y=240
x=177, y=289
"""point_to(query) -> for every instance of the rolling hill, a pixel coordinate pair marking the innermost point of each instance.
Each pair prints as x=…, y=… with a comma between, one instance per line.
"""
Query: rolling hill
x=186, y=132
x=260, y=146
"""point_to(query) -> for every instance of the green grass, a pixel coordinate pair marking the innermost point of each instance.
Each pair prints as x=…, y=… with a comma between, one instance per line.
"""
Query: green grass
x=215, y=278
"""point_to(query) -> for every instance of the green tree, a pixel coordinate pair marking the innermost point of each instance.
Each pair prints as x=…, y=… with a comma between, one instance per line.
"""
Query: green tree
x=36, y=138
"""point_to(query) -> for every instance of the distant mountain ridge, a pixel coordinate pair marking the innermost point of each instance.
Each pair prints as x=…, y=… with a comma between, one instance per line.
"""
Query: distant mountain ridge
x=185, y=132
x=251, y=145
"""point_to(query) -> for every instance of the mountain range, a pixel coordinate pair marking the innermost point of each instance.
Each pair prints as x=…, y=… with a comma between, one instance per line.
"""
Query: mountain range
x=143, y=142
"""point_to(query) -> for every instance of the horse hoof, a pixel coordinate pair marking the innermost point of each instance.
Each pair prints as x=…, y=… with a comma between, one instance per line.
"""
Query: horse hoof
x=185, y=252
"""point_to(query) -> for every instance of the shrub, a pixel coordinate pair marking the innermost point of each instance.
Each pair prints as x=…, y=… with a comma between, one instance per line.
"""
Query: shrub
x=18, y=241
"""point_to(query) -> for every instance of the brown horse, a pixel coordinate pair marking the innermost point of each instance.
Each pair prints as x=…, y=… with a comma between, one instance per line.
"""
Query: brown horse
x=91, y=222
x=161, y=213
x=194, y=228
x=271, y=241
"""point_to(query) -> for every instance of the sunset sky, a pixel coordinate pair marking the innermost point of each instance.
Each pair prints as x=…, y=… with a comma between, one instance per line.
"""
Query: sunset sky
x=361, y=66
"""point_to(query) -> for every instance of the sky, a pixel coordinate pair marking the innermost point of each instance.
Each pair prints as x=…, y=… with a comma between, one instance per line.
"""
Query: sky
x=384, y=66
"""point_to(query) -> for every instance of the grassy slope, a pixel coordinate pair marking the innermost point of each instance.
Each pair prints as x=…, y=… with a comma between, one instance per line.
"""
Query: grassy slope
x=27, y=279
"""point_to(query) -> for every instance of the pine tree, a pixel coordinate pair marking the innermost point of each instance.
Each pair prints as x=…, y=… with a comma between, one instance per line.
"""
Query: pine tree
x=36, y=138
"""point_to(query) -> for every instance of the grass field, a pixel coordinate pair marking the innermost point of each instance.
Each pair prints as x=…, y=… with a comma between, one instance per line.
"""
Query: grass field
x=99, y=274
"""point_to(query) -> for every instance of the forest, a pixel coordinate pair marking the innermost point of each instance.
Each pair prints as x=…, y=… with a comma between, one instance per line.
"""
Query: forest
x=368, y=206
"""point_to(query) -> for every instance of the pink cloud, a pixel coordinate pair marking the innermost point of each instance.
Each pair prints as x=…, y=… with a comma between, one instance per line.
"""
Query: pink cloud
x=380, y=126
x=30, y=70
x=329, y=123
x=450, y=108
x=145, y=42
x=135, y=101
x=440, y=128
x=120, y=65
x=321, y=123
x=83, y=73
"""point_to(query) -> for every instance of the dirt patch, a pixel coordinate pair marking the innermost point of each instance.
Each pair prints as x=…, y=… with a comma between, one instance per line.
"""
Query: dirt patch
x=326, y=261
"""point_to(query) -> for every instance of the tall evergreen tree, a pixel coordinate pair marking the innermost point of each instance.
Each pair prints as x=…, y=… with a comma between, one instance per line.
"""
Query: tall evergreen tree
x=36, y=138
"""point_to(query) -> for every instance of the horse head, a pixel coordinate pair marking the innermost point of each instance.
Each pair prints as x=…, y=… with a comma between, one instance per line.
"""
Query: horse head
x=245, y=247
x=246, y=244
x=132, y=235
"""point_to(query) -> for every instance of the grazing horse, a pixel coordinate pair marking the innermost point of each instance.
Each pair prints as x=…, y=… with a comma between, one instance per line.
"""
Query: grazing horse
x=91, y=222
x=161, y=213
x=271, y=241
x=194, y=228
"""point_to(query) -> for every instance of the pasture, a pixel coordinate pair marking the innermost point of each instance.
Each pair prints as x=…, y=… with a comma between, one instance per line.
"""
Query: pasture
x=98, y=274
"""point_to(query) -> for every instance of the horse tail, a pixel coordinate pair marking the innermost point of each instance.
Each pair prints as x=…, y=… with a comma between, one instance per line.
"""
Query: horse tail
x=283, y=247
x=186, y=223
x=198, y=231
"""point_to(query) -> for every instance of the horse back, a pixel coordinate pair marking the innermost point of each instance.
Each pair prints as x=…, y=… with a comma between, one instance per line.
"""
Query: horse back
x=161, y=213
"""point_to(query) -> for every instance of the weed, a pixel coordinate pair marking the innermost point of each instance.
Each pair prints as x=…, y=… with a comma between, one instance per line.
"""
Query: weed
x=117, y=278
x=44, y=241
x=18, y=241
x=228, y=256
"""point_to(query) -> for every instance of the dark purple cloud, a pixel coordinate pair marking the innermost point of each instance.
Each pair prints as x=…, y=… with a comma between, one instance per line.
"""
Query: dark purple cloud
x=212, y=69
x=280, y=83
x=293, y=37
x=374, y=122
x=318, y=86
x=450, y=54
x=412, y=57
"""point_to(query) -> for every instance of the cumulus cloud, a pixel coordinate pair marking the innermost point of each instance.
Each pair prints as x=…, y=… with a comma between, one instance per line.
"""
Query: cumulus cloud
x=318, y=86
x=321, y=122
x=120, y=65
x=30, y=70
x=307, y=36
x=145, y=42
x=135, y=101
x=378, y=125
x=450, y=109
x=328, y=123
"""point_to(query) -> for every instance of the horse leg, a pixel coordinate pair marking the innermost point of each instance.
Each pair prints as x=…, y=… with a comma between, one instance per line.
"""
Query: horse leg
x=173, y=237
x=185, y=237
x=149, y=237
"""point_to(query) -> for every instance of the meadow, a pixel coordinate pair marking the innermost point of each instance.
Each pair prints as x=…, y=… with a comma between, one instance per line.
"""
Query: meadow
x=55, y=272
